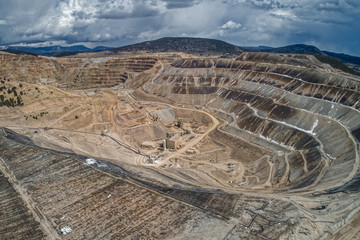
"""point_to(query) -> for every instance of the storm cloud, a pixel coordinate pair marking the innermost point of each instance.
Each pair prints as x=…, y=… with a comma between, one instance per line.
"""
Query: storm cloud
x=332, y=25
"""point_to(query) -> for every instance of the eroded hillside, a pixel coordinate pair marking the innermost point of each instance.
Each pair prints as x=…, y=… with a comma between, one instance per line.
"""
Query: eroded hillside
x=261, y=145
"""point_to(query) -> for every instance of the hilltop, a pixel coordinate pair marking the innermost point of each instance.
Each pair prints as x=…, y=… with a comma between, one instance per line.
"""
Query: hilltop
x=196, y=46
x=296, y=48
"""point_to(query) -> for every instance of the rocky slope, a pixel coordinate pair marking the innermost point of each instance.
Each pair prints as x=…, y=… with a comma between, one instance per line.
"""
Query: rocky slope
x=291, y=101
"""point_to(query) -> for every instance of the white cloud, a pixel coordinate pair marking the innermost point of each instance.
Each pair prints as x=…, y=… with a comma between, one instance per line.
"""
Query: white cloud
x=230, y=25
x=328, y=5
x=341, y=5
x=41, y=44
x=284, y=14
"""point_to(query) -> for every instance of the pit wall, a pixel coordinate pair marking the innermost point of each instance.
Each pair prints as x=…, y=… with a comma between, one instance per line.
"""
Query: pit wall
x=306, y=108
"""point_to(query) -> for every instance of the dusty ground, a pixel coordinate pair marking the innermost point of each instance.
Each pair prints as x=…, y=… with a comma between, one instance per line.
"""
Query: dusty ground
x=111, y=125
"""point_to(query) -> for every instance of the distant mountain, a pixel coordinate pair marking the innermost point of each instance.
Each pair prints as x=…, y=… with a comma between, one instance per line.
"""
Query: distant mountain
x=344, y=57
x=257, y=49
x=48, y=51
x=197, y=46
x=100, y=48
x=18, y=52
x=296, y=48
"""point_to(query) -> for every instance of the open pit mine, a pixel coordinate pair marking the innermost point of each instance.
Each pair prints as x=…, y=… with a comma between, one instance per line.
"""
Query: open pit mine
x=141, y=145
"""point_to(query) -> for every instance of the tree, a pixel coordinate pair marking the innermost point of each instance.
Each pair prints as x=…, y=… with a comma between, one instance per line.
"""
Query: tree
x=179, y=123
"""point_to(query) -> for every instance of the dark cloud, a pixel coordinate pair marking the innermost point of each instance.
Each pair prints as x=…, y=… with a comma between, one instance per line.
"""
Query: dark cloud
x=80, y=15
x=180, y=4
x=129, y=9
x=339, y=6
x=329, y=24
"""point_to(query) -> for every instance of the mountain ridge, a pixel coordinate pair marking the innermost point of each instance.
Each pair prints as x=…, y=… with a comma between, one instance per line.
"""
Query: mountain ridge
x=51, y=50
x=197, y=46
x=294, y=48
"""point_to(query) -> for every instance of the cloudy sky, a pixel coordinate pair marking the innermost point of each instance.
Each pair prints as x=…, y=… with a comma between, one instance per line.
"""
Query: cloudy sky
x=332, y=25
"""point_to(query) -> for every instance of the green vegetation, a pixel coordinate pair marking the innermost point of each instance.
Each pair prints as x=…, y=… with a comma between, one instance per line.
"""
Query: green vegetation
x=336, y=64
x=35, y=116
x=10, y=97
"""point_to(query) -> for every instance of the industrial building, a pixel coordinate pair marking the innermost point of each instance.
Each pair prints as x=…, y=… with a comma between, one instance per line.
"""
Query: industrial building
x=173, y=142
